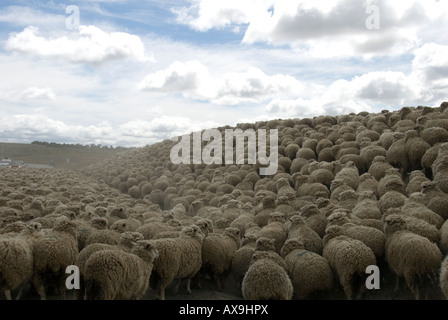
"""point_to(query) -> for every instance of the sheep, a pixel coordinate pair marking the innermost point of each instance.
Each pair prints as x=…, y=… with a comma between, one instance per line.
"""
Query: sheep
x=314, y=218
x=368, y=183
x=349, y=174
x=298, y=228
x=118, y=275
x=53, y=252
x=391, y=199
x=436, y=199
x=179, y=258
x=416, y=225
x=367, y=206
x=348, y=258
x=341, y=216
x=396, y=155
x=275, y=229
x=127, y=240
x=443, y=243
x=285, y=193
x=391, y=181
x=309, y=272
x=16, y=260
x=217, y=252
x=379, y=167
x=102, y=236
x=416, y=178
x=371, y=237
x=266, y=279
x=409, y=254
x=149, y=229
x=241, y=258
x=415, y=207
x=443, y=277
x=415, y=149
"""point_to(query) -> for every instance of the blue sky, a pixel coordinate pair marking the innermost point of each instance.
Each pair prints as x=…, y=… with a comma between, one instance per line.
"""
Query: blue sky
x=132, y=73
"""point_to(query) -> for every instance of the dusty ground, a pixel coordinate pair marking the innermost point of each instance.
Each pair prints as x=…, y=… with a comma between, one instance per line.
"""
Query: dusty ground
x=232, y=292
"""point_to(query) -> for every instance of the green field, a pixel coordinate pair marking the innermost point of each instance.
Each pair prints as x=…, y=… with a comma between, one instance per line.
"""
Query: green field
x=73, y=157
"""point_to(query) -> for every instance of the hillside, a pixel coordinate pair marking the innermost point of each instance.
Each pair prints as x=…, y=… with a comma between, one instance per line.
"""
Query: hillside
x=61, y=156
x=340, y=182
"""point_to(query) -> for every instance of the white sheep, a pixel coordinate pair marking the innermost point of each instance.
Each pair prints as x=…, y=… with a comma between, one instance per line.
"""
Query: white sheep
x=309, y=272
x=348, y=258
x=217, y=253
x=443, y=277
x=266, y=279
x=16, y=260
x=128, y=239
x=53, y=253
x=118, y=275
x=297, y=228
x=408, y=254
x=179, y=258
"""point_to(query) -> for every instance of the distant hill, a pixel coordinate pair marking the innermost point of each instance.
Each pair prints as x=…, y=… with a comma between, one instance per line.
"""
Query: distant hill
x=63, y=156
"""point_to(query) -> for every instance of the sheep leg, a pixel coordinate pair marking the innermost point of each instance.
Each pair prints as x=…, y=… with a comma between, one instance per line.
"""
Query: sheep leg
x=188, y=286
x=40, y=288
x=346, y=285
x=412, y=285
x=19, y=294
x=217, y=279
x=8, y=294
x=176, y=287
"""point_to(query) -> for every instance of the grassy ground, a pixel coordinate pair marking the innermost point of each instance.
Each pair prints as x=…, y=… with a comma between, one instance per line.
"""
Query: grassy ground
x=60, y=156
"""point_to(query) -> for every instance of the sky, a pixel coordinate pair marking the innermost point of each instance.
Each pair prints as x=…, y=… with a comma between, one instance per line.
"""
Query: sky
x=133, y=73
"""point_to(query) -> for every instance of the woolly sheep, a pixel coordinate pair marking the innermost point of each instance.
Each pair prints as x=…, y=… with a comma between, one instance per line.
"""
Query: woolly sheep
x=371, y=237
x=348, y=258
x=368, y=183
x=16, y=260
x=379, y=167
x=396, y=155
x=297, y=228
x=275, y=229
x=409, y=254
x=443, y=244
x=416, y=178
x=266, y=279
x=415, y=207
x=367, y=206
x=217, y=252
x=309, y=272
x=391, y=181
x=179, y=258
x=436, y=199
x=118, y=275
x=349, y=174
x=443, y=277
x=241, y=258
x=127, y=240
x=314, y=218
x=53, y=253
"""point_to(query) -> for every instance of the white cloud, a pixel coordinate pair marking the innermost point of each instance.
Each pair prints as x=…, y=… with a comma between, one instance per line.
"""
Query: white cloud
x=203, y=15
x=324, y=28
x=89, y=45
x=25, y=16
x=37, y=93
x=178, y=77
x=193, y=79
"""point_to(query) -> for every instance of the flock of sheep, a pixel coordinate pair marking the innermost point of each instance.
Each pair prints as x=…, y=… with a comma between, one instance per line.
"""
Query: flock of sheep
x=353, y=193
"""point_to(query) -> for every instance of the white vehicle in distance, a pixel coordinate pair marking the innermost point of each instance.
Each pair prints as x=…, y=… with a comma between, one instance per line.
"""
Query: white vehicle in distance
x=5, y=163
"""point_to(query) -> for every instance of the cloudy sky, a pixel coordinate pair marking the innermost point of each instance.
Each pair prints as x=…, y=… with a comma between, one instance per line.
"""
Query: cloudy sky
x=131, y=73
